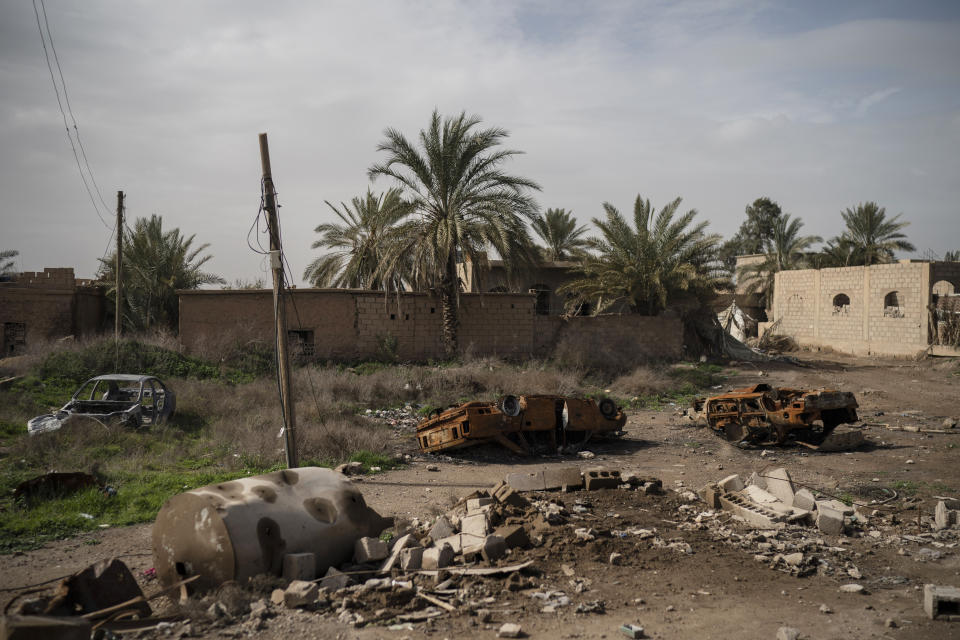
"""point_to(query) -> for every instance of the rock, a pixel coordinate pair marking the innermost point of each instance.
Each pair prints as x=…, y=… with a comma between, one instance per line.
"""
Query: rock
x=941, y=602
x=852, y=588
x=335, y=580
x=942, y=516
x=276, y=597
x=616, y=558
x=300, y=593
x=793, y=559
x=890, y=623
x=632, y=630
x=731, y=484
x=780, y=484
x=804, y=499
x=825, y=609
x=350, y=468
x=432, y=467
x=788, y=633
x=509, y=630
x=411, y=559
x=442, y=528
x=514, y=535
x=494, y=547
x=370, y=550
x=909, y=462
x=299, y=566
x=437, y=557
x=949, y=423
x=476, y=524
x=829, y=520
x=586, y=455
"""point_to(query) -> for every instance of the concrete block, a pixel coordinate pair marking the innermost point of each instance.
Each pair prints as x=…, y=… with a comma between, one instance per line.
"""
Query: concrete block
x=370, y=550
x=756, y=515
x=602, y=479
x=829, y=521
x=842, y=441
x=335, y=580
x=529, y=481
x=494, y=547
x=15, y=627
x=943, y=517
x=504, y=494
x=475, y=504
x=514, y=535
x=477, y=524
x=442, y=528
x=941, y=603
x=731, y=484
x=836, y=505
x=566, y=478
x=437, y=557
x=757, y=480
x=299, y=566
x=804, y=499
x=711, y=495
x=460, y=541
x=300, y=593
x=780, y=485
x=509, y=630
x=399, y=545
x=411, y=559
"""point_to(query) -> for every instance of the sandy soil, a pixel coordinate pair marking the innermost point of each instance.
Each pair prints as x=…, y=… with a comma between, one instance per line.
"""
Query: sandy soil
x=717, y=591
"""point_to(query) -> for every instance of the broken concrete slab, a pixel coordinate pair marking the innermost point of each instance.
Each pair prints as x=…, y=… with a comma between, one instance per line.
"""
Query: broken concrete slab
x=845, y=440
x=780, y=484
x=411, y=559
x=755, y=515
x=475, y=504
x=757, y=480
x=804, y=499
x=564, y=478
x=836, y=505
x=711, y=495
x=494, y=547
x=731, y=484
x=941, y=603
x=526, y=481
x=370, y=550
x=477, y=524
x=16, y=627
x=766, y=499
x=788, y=633
x=442, y=528
x=460, y=541
x=514, y=535
x=602, y=478
x=437, y=557
x=505, y=494
x=399, y=545
x=335, y=579
x=300, y=593
x=943, y=517
x=509, y=630
x=299, y=566
x=829, y=520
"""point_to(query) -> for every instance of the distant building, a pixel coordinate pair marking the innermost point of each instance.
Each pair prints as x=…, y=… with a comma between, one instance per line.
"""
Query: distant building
x=41, y=306
x=542, y=281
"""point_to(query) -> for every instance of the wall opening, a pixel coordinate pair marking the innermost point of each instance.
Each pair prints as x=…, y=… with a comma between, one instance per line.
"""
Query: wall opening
x=892, y=305
x=542, y=305
x=943, y=288
x=301, y=343
x=14, y=337
x=841, y=304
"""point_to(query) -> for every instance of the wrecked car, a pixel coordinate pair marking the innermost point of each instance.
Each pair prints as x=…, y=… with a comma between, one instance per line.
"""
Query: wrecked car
x=522, y=424
x=764, y=415
x=133, y=400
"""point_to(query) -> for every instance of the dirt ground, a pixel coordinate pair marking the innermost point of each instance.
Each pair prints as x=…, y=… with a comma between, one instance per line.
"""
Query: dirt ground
x=727, y=583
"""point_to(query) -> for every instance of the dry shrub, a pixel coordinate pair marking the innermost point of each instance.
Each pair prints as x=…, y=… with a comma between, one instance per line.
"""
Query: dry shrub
x=339, y=437
x=606, y=355
x=642, y=381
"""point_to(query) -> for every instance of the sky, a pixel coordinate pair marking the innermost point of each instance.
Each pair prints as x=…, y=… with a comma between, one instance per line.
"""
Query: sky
x=819, y=105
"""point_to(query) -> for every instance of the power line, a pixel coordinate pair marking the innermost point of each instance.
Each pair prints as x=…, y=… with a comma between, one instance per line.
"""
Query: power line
x=66, y=126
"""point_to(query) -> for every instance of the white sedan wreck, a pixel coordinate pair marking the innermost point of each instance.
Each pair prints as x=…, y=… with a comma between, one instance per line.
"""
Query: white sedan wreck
x=133, y=400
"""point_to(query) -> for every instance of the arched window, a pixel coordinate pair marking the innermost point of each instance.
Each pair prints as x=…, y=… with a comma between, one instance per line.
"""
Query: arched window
x=543, y=298
x=943, y=288
x=892, y=305
x=841, y=304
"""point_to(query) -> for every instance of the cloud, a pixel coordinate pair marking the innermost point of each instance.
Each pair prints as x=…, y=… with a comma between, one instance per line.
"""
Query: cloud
x=875, y=98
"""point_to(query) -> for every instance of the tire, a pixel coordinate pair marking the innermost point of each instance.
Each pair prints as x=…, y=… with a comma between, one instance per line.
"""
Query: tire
x=608, y=408
x=509, y=406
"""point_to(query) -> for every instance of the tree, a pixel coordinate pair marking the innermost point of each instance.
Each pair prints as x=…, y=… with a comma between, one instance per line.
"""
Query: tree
x=649, y=264
x=952, y=256
x=464, y=203
x=837, y=252
x=755, y=233
x=786, y=250
x=562, y=238
x=6, y=264
x=873, y=238
x=358, y=246
x=156, y=263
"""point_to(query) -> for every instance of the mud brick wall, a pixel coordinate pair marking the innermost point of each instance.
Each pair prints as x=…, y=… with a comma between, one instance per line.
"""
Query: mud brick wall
x=807, y=303
x=363, y=324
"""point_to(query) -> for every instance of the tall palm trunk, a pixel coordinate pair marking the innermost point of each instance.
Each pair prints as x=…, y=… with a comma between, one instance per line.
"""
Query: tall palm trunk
x=448, y=306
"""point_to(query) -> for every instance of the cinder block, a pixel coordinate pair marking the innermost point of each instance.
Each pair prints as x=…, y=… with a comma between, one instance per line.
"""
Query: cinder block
x=532, y=481
x=780, y=484
x=514, y=535
x=711, y=495
x=494, y=547
x=941, y=603
x=437, y=557
x=299, y=566
x=411, y=559
x=300, y=593
x=567, y=478
x=370, y=550
x=399, y=545
x=476, y=524
x=602, y=479
x=731, y=484
x=829, y=521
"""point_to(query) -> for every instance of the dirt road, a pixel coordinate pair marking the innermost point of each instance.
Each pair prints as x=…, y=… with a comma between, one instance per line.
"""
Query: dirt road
x=718, y=589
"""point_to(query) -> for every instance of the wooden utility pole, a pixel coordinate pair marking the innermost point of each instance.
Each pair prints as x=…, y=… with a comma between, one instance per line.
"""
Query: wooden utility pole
x=117, y=322
x=280, y=312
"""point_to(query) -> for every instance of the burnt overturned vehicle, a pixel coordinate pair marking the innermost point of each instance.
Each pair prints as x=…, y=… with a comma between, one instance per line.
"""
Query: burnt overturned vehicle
x=133, y=400
x=522, y=424
x=765, y=415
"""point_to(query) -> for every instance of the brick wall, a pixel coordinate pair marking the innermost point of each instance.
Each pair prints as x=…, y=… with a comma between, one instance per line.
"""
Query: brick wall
x=887, y=312
x=649, y=337
x=359, y=324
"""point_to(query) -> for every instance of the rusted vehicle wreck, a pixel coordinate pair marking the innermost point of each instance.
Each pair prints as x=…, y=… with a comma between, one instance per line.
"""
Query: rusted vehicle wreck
x=522, y=424
x=765, y=415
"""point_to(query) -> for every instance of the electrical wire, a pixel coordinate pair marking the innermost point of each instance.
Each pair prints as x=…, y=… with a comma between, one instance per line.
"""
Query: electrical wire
x=63, y=115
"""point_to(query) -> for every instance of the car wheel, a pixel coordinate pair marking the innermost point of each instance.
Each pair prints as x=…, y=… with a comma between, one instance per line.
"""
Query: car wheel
x=509, y=406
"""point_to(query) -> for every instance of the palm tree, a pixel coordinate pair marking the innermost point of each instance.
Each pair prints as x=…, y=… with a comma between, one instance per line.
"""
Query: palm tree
x=786, y=250
x=156, y=263
x=648, y=265
x=837, y=252
x=464, y=204
x=359, y=244
x=6, y=264
x=952, y=256
x=559, y=232
x=874, y=238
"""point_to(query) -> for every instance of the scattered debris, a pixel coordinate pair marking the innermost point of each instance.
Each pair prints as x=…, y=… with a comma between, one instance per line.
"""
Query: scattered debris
x=632, y=630
x=133, y=400
x=763, y=415
x=522, y=424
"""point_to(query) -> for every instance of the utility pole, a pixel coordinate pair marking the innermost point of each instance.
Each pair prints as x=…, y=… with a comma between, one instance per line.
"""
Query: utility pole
x=117, y=323
x=280, y=312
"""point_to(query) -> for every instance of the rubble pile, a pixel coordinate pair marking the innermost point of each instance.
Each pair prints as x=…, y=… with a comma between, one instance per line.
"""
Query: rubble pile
x=403, y=420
